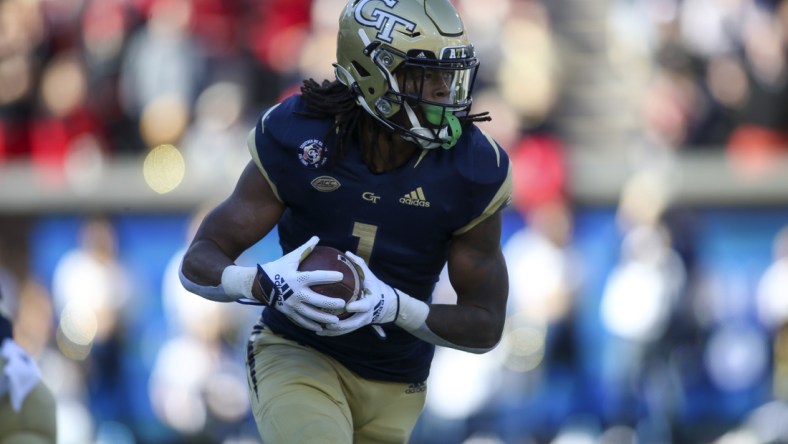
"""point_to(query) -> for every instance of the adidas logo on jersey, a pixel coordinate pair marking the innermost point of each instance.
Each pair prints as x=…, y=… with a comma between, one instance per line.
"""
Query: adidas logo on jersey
x=415, y=198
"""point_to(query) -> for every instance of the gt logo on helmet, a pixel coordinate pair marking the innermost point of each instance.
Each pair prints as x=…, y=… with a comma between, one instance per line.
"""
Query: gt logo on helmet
x=383, y=21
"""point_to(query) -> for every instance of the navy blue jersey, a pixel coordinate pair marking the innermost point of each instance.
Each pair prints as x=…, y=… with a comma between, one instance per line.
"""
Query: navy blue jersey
x=400, y=221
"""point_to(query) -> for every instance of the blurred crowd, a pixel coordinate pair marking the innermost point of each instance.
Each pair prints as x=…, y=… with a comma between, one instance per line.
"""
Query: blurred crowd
x=87, y=79
x=85, y=82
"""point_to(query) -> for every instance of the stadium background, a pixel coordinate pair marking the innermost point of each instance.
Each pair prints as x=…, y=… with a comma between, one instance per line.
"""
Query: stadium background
x=649, y=269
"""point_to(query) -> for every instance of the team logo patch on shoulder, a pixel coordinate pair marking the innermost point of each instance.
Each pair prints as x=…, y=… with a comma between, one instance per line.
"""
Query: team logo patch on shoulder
x=325, y=183
x=313, y=154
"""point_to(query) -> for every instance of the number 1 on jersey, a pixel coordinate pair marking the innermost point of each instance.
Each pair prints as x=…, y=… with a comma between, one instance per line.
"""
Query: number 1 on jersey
x=366, y=239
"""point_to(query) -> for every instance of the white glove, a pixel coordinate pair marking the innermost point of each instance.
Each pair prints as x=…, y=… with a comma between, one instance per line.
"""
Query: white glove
x=380, y=304
x=287, y=290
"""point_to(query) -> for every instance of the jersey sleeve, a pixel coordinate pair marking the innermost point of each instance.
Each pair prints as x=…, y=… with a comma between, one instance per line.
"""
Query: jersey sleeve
x=264, y=148
x=286, y=145
x=489, y=174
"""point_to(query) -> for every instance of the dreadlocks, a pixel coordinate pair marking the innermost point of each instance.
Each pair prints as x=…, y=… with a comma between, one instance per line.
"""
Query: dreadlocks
x=334, y=99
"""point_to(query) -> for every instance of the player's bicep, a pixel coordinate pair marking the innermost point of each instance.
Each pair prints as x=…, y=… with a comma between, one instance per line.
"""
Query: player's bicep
x=246, y=216
x=477, y=269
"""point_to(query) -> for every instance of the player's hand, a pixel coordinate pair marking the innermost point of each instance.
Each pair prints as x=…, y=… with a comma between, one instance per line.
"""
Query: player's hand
x=284, y=288
x=378, y=305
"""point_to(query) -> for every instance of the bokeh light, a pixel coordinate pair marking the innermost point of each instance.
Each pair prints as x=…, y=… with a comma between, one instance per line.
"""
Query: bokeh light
x=164, y=168
x=524, y=342
x=77, y=330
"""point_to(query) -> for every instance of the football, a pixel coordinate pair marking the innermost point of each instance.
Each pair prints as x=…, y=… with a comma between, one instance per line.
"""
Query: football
x=329, y=258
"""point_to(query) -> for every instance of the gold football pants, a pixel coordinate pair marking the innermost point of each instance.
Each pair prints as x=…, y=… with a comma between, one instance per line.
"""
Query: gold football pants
x=300, y=395
x=35, y=423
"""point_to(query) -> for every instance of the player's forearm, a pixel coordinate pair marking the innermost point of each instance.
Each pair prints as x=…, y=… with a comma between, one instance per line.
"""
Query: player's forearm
x=204, y=263
x=467, y=328
x=207, y=271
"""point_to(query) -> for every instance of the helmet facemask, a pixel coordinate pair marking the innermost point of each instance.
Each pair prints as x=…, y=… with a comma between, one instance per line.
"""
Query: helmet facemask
x=432, y=95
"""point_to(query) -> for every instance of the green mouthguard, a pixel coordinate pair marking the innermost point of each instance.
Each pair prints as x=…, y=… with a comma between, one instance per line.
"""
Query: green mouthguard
x=437, y=115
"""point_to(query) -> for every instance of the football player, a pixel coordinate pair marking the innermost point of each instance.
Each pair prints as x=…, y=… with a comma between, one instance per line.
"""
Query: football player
x=384, y=162
x=27, y=407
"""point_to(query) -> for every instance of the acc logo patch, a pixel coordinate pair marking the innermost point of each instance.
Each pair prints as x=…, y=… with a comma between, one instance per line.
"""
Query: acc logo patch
x=325, y=183
x=313, y=154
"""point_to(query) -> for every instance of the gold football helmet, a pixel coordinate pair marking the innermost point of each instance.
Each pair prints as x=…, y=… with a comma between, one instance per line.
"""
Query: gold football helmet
x=412, y=56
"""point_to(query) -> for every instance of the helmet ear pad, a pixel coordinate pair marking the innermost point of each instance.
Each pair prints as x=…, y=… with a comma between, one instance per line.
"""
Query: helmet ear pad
x=370, y=79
